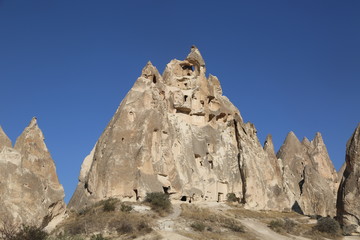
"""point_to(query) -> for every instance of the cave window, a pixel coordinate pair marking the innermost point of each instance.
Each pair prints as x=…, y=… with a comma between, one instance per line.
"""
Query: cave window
x=183, y=198
x=211, y=164
x=185, y=97
x=166, y=190
x=136, y=194
x=154, y=79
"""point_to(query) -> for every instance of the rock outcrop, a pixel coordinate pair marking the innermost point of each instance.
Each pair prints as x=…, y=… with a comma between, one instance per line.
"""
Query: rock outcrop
x=30, y=190
x=4, y=140
x=310, y=178
x=178, y=134
x=348, y=204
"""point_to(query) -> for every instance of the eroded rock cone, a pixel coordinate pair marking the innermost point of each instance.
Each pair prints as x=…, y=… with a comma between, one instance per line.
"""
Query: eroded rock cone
x=4, y=140
x=348, y=204
x=310, y=179
x=30, y=191
x=178, y=134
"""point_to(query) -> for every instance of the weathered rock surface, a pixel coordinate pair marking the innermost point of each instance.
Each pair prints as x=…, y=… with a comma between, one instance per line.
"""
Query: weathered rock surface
x=30, y=190
x=310, y=178
x=348, y=204
x=4, y=139
x=177, y=133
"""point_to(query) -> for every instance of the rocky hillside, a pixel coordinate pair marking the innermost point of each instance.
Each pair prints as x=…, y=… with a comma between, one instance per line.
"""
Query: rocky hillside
x=176, y=133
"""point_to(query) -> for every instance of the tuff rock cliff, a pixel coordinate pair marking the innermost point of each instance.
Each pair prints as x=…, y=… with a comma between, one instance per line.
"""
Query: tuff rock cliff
x=310, y=178
x=30, y=191
x=179, y=134
x=348, y=204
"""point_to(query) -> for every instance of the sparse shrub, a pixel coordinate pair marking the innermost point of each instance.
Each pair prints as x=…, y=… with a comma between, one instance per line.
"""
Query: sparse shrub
x=289, y=225
x=286, y=225
x=124, y=228
x=126, y=208
x=29, y=233
x=159, y=201
x=198, y=226
x=144, y=227
x=109, y=205
x=328, y=225
x=231, y=197
x=98, y=237
x=233, y=226
x=8, y=229
x=66, y=237
x=349, y=229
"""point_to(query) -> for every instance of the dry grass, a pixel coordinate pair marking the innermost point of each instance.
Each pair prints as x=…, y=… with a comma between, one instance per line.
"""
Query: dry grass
x=109, y=221
x=213, y=225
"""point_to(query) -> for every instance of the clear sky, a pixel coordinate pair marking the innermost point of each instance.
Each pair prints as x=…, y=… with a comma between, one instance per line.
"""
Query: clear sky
x=287, y=65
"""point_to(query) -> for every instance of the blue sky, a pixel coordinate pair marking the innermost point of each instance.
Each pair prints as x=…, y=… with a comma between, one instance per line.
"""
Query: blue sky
x=287, y=65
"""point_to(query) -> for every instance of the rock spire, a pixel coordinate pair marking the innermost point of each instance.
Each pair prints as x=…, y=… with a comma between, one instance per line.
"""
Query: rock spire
x=30, y=190
x=348, y=204
x=178, y=134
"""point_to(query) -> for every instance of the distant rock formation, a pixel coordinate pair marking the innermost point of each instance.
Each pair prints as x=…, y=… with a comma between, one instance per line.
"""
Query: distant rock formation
x=178, y=134
x=30, y=190
x=309, y=175
x=348, y=204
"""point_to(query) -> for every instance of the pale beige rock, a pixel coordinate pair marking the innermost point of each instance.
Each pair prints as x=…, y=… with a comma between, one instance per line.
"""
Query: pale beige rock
x=177, y=133
x=348, y=204
x=4, y=139
x=309, y=176
x=30, y=190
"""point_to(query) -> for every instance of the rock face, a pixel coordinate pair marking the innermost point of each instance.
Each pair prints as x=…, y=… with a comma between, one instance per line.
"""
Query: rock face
x=30, y=190
x=348, y=204
x=310, y=178
x=178, y=134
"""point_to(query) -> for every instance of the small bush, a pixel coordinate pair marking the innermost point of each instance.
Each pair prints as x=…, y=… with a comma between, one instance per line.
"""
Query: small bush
x=144, y=227
x=124, y=228
x=159, y=201
x=233, y=226
x=198, y=226
x=66, y=237
x=286, y=225
x=349, y=229
x=328, y=225
x=126, y=208
x=30, y=233
x=109, y=205
x=231, y=197
x=98, y=237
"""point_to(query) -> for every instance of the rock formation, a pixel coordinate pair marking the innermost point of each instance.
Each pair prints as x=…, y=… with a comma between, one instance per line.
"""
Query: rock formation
x=309, y=175
x=178, y=134
x=348, y=204
x=30, y=190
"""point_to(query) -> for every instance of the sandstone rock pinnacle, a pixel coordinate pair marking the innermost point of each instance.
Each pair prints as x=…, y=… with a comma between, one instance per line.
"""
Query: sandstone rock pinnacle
x=178, y=134
x=348, y=205
x=4, y=139
x=31, y=192
x=309, y=175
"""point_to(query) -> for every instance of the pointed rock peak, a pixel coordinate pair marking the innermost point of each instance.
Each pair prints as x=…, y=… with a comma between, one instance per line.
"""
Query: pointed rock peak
x=268, y=144
x=195, y=57
x=33, y=122
x=353, y=148
x=4, y=139
x=33, y=132
x=318, y=140
x=291, y=138
x=306, y=142
x=150, y=72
